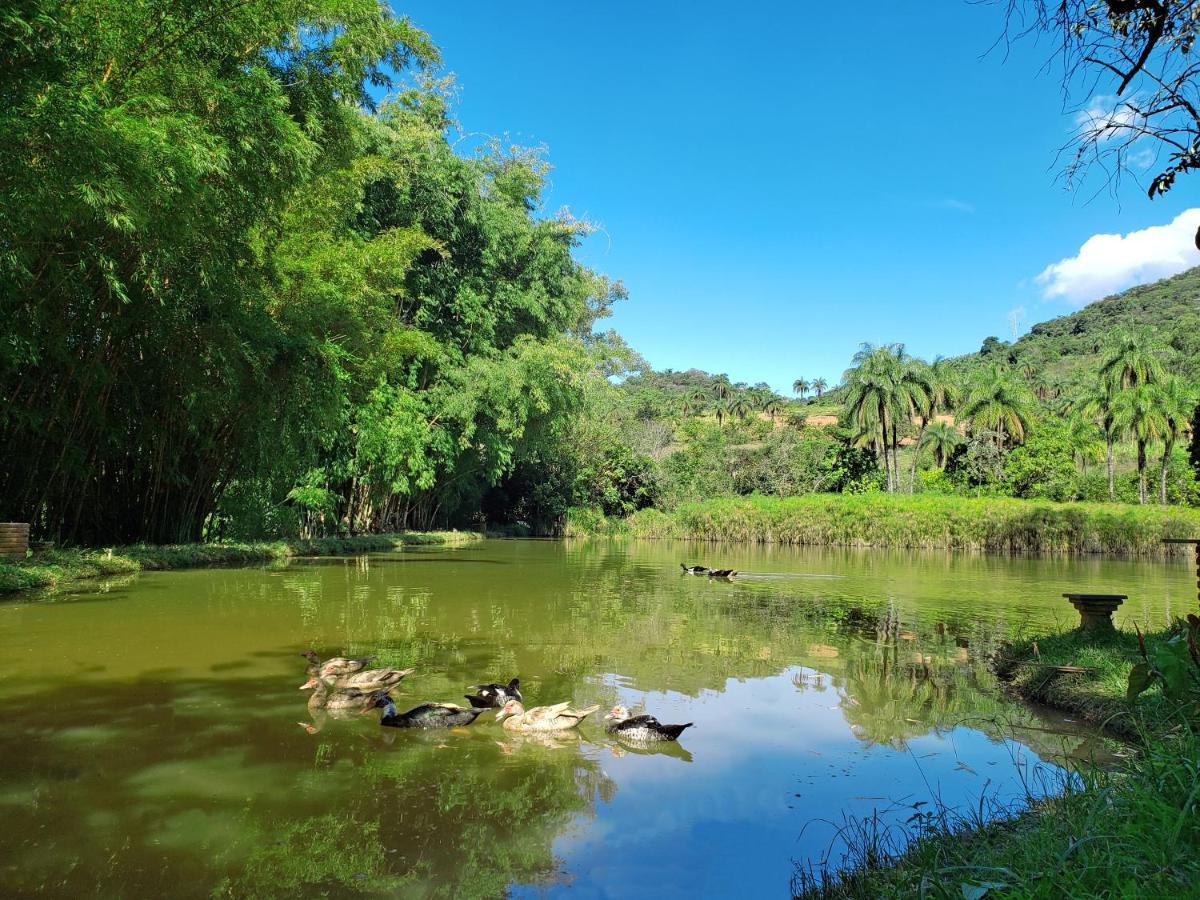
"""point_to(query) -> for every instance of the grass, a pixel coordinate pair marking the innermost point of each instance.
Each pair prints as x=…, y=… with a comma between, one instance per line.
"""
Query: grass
x=996, y=525
x=1128, y=831
x=58, y=567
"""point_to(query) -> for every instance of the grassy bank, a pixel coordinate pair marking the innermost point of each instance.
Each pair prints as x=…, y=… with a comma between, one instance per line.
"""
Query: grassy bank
x=1123, y=832
x=997, y=525
x=58, y=567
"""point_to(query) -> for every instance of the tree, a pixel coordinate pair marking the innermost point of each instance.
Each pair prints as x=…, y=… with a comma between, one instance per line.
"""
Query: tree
x=885, y=388
x=800, y=387
x=1095, y=404
x=942, y=439
x=1132, y=357
x=1178, y=402
x=995, y=402
x=939, y=393
x=739, y=406
x=1083, y=438
x=820, y=385
x=772, y=407
x=1139, y=413
x=1139, y=54
x=150, y=152
x=1194, y=447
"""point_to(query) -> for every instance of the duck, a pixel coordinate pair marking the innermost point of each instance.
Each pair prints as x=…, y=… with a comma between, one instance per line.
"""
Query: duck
x=427, y=715
x=721, y=573
x=641, y=728
x=369, y=680
x=558, y=717
x=694, y=570
x=337, y=665
x=326, y=695
x=487, y=696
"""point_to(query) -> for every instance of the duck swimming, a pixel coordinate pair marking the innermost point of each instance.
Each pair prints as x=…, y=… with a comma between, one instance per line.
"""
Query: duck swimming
x=337, y=665
x=487, y=696
x=542, y=718
x=721, y=573
x=694, y=570
x=641, y=728
x=369, y=680
x=427, y=715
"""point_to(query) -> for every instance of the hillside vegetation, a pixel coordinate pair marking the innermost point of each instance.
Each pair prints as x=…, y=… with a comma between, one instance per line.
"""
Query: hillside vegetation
x=1099, y=406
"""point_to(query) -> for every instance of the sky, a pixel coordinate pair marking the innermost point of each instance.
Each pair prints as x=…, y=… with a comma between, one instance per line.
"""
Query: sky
x=776, y=186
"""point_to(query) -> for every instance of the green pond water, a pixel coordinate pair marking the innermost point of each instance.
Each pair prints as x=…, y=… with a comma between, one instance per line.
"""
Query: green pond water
x=151, y=747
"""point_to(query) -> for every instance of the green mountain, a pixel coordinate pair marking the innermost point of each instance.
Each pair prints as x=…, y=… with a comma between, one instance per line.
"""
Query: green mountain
x=1065, y=351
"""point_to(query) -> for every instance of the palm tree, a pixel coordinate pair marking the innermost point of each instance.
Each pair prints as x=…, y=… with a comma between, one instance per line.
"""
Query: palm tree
x=772, y=407
x=940, y=393
x=997, y=403
x=885, y=387
x=739, y=406
x=1096, y=405
x=722, y=387
x=800, y=386
x=819, y=385
x=699, y=397
x=720, y=410
x=1139, y=413
x=1178, y=403
x=942, y=438
x=1083, y=438
x=1132, y=358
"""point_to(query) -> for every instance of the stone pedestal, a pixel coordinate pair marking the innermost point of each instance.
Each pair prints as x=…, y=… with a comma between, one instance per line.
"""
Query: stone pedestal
x=1095, y=610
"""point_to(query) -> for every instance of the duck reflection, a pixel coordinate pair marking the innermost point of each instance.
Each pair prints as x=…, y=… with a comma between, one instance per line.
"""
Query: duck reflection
x=670, y=749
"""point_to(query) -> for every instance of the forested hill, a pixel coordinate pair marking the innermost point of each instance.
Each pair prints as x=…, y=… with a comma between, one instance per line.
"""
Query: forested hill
x=1066, y=351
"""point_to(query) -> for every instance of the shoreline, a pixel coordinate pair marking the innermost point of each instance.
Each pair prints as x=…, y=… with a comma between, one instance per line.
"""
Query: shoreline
x=994, y=525
x=1094, y=823
x=57, y=568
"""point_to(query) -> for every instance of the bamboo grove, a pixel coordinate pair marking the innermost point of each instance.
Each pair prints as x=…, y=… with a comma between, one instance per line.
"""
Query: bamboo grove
x=248, y=285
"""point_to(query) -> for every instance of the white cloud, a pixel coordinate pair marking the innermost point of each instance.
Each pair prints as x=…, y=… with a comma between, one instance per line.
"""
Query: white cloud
x=1106, y=117
x=1108, y=263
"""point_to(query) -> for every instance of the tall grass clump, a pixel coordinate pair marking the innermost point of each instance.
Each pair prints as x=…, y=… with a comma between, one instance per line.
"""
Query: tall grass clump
x=994, y=525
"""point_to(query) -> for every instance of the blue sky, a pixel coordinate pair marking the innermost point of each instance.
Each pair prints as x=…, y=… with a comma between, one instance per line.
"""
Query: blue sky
x=775, y=189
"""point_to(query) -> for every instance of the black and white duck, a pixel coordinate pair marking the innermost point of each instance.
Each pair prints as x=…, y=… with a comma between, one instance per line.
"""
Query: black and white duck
x=335, y=666
x=721, y=573
x=694, y=570
x=487, y=696
x=427, y=715
x=641, y=728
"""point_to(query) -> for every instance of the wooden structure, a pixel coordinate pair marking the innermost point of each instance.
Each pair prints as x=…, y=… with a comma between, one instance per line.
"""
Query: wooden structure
x=14, y=540
x=1095, y=610
x=1195, y=542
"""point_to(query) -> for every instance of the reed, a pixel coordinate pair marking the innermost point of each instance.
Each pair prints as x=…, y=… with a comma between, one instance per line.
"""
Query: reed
x=993, y=525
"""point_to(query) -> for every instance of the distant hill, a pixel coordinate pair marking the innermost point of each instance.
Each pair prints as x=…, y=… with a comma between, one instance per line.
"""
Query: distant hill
x=1065, y=351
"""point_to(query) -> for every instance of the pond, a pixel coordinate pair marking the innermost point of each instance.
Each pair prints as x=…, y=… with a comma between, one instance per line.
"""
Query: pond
x=152, y=746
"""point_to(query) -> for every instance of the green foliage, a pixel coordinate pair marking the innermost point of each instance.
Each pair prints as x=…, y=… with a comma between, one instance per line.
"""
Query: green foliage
x=994, y=524
x=1043, y=467
x=1173, y=662
x=275, y=306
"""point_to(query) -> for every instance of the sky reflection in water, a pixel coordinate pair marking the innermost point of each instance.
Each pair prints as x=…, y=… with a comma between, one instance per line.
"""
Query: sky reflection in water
x=151, y=742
